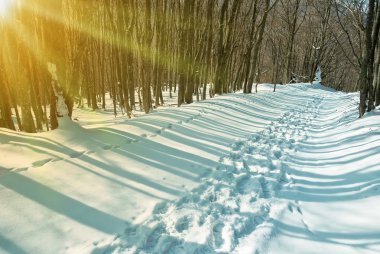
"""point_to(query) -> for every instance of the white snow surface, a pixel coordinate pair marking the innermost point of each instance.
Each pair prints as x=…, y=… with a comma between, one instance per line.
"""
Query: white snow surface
x=293, y=171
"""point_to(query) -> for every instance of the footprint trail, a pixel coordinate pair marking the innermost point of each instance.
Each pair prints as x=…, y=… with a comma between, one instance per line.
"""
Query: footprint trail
x=232, y=203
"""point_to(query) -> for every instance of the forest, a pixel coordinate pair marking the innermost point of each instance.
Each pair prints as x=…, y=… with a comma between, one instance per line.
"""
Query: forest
x=189, y=126
x=79, y=51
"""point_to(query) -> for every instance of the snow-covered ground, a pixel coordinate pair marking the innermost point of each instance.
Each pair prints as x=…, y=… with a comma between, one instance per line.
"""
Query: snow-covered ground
x=293, y=171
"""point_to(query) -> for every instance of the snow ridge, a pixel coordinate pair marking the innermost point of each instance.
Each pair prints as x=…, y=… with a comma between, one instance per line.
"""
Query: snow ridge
x=234, y=204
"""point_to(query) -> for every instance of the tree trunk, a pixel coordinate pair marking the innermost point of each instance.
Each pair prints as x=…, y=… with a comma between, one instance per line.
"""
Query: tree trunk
x=366, y=60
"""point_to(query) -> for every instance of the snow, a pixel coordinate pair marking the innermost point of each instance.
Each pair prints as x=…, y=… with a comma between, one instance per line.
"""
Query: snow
x=291, y=171
x=335, y=191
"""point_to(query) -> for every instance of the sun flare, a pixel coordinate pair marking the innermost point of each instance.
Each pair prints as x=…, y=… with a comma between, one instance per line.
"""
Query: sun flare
x=4, y=7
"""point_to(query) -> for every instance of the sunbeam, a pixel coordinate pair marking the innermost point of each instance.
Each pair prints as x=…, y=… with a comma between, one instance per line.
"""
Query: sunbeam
x=4, y=7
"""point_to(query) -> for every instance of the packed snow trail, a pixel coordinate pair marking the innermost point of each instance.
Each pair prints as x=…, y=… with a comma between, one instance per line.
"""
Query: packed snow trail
x=78, y=186
x=293, y=171
x=232, y=203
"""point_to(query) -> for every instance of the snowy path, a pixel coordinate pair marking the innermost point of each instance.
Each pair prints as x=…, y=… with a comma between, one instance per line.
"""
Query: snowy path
x=233, y=204
x=73, y=189
x=258, y=173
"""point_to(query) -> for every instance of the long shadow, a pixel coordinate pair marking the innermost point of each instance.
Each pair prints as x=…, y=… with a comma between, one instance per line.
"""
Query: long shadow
x=120, y=183
x=248, y=115
x=146, y=126
x=200, y=132
x=214, y=139
x=339, y=142
x=224, y=128
x=310, y=147
x=368, y=238
x=298, y=170
x=61, y=203
x=34, y=141
x=336, y=180
x=190, y=142
x=354, y=185
x=41, y=151
x=174, y=115
x=205, y=123
x=188, y=130
x=235, y=111
x=266, y=100
x=337, y=194
x=152, y=147
x=129, y=175
x=326, y=126
x=158, y=165
x=173, y=134
x=363, y=182
x=244, y=109
x=323, y=162
x=10, y=247
x=158, y=155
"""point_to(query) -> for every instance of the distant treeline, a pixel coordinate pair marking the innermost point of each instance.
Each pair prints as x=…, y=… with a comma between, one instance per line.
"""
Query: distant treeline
x=81, y=50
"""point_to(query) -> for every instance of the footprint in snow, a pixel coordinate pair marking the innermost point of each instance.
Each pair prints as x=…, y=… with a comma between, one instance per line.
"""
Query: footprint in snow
x=290, y=208
x=155, y=235
x=277, y=154
x=217, y=235
x=130, y=231
x=161, y=208
x=182, y=224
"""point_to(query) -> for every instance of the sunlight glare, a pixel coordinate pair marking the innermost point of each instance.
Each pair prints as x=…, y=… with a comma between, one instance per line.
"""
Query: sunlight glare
x=4, y=7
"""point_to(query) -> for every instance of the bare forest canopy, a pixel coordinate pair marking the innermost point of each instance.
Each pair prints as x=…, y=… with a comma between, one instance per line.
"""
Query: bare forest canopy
x=81, y=50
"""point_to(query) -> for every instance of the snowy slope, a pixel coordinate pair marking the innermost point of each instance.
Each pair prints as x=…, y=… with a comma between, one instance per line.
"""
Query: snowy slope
x=239, y=173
